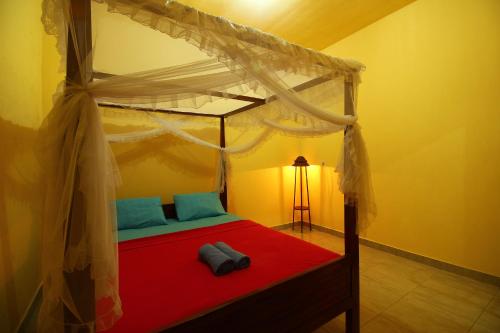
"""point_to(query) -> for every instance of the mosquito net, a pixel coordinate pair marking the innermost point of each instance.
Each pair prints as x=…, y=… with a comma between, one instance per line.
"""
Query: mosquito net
x=283, y=88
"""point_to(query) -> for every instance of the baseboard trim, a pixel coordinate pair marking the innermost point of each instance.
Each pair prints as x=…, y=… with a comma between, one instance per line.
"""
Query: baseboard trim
x=282, y=226
x=467, y=272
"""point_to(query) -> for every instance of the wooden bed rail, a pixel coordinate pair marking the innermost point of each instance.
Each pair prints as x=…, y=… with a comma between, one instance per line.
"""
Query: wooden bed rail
x=299, y=304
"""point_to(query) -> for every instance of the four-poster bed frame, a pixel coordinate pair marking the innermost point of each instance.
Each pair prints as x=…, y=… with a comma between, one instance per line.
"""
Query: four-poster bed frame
x=299, y=304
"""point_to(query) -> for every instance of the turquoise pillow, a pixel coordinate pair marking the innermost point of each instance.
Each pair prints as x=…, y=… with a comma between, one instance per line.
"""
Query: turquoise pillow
x=139, y=213
x=197, y=205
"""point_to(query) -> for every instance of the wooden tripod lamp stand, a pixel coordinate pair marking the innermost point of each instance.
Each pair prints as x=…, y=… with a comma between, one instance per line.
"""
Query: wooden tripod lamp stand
x=301, y=164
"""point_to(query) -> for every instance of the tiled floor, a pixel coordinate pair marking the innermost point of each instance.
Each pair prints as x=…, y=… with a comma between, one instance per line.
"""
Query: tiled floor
x=401, y=295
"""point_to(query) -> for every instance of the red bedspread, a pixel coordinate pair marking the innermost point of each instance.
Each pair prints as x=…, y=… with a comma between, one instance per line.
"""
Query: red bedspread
x=162, y=281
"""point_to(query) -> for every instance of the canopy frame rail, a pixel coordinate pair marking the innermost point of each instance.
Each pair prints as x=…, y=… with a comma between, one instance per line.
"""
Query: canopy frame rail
x=166, y=111
x=255, y=101
x=298, y=88
x=244, y=98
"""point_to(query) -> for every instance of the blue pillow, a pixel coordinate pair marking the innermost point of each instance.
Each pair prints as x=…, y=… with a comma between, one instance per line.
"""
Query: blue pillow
x=197, y=205
x=139, y=213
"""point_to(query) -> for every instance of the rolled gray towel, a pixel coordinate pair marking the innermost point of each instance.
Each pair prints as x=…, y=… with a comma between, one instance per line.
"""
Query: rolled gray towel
x=219, y=262
x=241, y=260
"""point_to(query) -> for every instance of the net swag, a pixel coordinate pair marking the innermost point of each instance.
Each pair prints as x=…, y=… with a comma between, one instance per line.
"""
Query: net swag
x=79, y=228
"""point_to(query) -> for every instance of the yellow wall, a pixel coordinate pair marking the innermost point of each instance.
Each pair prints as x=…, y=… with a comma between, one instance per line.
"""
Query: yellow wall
x=429, y=108
x=164, y=166
x=20, y=114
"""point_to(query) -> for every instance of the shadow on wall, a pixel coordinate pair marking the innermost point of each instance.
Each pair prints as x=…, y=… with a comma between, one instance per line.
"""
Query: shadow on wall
x=277, y=150
x=168, y=152
x=164, y=165
x=173, y=153
x=20, y=208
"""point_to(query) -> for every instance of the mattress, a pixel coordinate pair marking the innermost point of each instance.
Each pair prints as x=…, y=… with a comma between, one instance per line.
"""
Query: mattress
x=174, y=225
x=162, y=282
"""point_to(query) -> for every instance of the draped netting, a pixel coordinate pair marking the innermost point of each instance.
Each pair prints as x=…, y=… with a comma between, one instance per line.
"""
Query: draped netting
x=79, y=224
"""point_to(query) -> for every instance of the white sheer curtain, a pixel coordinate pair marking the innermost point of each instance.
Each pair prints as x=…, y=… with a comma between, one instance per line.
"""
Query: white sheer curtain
x=79, y=228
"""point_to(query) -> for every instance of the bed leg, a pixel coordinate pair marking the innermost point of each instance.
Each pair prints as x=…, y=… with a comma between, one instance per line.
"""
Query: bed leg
x=352, y=252
x=352, y=320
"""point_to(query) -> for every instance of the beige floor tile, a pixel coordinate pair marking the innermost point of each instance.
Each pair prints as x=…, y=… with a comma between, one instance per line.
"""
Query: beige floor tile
x=386, y=324
x=338, y=323
x=471, y=291
x=396, y=275
x=366, y=314
x=494, y=306
x=409, y=315
x=451, y=277
x=378, y=296
x=487, y=323
x=444, y=303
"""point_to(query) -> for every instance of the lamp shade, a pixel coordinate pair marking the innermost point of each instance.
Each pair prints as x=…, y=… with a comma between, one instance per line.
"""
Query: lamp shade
x=300, y=162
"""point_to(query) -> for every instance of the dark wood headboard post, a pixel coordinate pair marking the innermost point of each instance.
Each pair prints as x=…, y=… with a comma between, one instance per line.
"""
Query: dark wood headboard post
x=79, y=280
x=350, y=225
x=223, y=195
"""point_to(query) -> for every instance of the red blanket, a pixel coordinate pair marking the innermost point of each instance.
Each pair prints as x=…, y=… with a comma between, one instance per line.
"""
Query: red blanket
x=162, y=281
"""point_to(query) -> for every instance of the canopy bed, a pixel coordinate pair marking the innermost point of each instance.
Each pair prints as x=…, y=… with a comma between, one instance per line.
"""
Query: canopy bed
x=285, y=88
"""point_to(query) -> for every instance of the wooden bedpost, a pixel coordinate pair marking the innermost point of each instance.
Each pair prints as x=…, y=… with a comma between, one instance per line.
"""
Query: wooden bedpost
x=79, y=282
x=350, y=225
x=223, y=195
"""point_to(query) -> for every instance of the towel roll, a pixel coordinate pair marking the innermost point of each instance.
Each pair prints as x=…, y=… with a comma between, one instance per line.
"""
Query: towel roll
x=219, y=262
x=241, y=260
